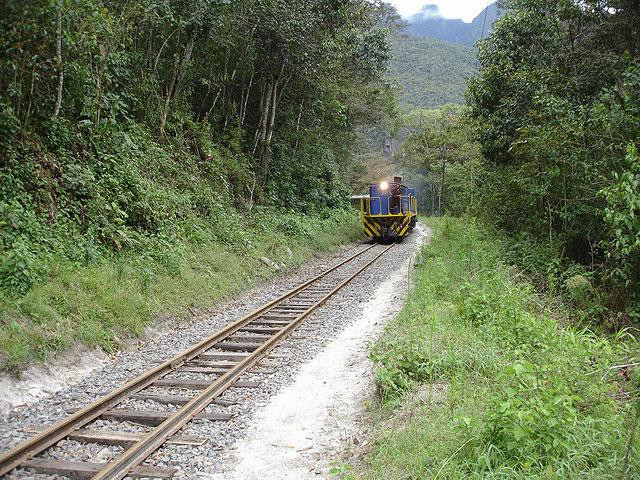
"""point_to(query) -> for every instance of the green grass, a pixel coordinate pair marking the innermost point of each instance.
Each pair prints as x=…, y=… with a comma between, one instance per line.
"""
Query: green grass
x=105, y=303
x=478, y=379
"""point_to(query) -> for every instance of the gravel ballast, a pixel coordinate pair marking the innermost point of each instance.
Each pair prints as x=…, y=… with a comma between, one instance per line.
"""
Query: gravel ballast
x=216, y=455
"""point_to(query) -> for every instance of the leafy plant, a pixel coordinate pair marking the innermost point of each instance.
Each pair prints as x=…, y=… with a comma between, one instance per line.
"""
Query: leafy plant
x=622, y=215
x=480, y=377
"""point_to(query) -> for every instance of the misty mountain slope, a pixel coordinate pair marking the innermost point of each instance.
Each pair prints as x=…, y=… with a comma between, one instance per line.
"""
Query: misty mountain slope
x=429, y=23
x=430, y=72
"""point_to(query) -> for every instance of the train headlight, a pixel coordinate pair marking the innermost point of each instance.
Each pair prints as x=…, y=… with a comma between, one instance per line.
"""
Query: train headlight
x=384, y=186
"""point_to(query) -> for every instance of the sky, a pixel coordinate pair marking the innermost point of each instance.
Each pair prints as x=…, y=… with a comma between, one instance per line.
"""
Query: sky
x=467, y=10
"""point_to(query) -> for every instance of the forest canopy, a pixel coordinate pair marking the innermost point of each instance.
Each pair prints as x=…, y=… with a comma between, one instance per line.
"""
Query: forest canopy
x=546, y=148
x=429, y=72
x=557, y=113
x=121, y=121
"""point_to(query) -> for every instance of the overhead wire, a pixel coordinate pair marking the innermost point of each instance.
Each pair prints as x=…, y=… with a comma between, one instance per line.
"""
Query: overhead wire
x=484, y=23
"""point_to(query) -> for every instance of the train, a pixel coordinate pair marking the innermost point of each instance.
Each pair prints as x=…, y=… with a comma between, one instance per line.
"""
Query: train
x=389, y=211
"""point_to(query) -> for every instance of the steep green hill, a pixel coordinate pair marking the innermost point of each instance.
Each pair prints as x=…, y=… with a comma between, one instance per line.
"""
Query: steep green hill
x=429, y=72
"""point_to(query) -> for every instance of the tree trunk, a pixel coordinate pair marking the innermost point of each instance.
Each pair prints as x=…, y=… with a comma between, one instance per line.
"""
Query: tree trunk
x=164, y=44
x=276, y=96
x=167, y=100
x=264, y=122
x=226, y=111
x=213, y=105
x=263, y=99
x=272, y=116
x=251, y=192
x=441, y=195
x=152, y=30
x=243, y=114
x=98, y=97
x=179, y=69
x=433, y=198
x=550, y=222
x=59, y=65
x=186, y=58
x=298, y=128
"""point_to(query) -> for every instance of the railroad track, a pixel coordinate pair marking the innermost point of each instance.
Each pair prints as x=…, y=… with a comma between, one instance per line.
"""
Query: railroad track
x=222, y=358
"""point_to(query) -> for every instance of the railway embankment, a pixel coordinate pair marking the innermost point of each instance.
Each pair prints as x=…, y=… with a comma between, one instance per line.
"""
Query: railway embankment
x=109, y=305
x=480, y=376
x=294, y=379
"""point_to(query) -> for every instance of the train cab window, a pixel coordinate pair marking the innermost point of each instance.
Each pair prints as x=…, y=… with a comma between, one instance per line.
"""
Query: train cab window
x=395, y=199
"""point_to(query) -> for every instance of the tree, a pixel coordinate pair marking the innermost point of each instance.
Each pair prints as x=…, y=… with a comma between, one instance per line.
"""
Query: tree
x=244, y=68
x=441, y=139
x=556, y=107
x=119, y=120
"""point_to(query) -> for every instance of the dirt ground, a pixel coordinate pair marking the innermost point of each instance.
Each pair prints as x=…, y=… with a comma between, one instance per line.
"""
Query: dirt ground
x=301, y=431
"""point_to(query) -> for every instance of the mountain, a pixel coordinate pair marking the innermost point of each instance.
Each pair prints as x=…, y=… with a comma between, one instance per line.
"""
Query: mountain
x=429, y=72
x=435, y=56
x=429, y=23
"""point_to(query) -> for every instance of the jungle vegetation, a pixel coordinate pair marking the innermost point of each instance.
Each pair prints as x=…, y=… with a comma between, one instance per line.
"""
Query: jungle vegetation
x=137, y=135
x=557, y=113
x=429, y=73
x=516, y=355
x=482, y=376
x=546, y=147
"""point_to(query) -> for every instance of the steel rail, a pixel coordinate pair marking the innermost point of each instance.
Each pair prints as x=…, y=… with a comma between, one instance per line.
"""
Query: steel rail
x=49, y=437
x=138, y=453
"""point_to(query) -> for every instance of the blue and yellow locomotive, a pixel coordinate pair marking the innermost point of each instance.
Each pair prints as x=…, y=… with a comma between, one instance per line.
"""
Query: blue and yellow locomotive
x=389, y=211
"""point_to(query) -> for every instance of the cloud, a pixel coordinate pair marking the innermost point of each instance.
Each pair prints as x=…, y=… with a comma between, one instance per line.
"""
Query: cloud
x=466, y=10
x=430, y=11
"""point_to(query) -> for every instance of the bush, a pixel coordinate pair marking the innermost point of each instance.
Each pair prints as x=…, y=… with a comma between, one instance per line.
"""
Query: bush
x=521, y=395
x=100, y=298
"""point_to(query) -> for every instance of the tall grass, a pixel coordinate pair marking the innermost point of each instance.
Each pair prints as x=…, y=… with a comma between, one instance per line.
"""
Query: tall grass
x=478, y=379
x=104, y=303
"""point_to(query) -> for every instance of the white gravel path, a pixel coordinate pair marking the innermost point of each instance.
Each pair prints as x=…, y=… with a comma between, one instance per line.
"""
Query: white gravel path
x=302, y=429
x=317, y=421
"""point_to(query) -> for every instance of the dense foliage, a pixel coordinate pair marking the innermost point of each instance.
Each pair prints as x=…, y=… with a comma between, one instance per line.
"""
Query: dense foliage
x=557, y=107
x=482, y=378
x=498, y=366
x=429, y=72
x=122, y=123
x=441, y=156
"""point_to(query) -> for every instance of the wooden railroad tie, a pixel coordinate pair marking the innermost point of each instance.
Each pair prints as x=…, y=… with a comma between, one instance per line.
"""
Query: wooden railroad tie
x=126, y=439
x=259, y=330
x=264, y=321
x=229, y=356
x=195, y=384
x=176, y=399
x=153, y=419
x=249, y=338
x=237, y=346
x=86, y=470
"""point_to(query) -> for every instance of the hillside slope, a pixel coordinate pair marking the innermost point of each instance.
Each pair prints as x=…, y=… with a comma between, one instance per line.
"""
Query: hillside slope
x=429, y=72
x=145, y=147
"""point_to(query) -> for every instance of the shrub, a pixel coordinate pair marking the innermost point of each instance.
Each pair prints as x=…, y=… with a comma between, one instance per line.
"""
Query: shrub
x=521, y=394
